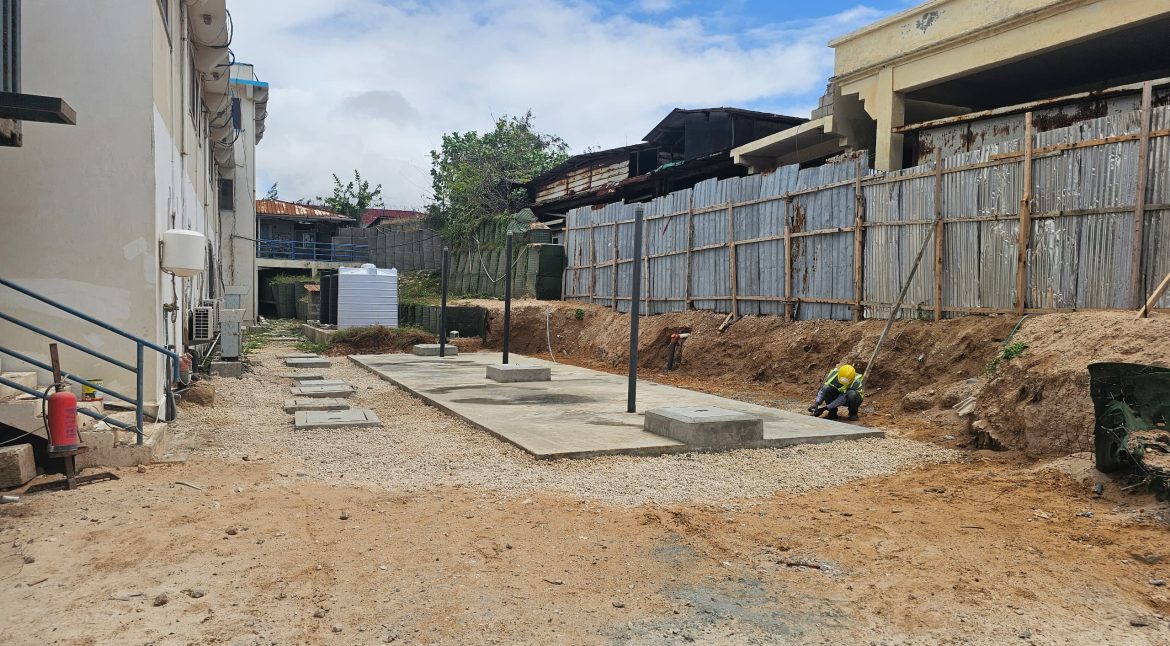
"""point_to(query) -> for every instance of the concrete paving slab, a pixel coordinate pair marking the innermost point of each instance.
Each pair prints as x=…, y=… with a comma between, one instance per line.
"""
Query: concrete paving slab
x=311, y=419
x=301, y=376
x=432, y=350
x=297, y=355
x=314, y=403
x=307, y=362
x=515, y=373
x=581, y=412
x=321, y=391
x=319, y=382
x=705, y=426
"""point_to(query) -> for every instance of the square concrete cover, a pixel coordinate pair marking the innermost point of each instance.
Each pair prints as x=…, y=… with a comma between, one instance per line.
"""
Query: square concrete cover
x=307, y=362
x=705, y=425
x=321, y=391
x=513, y=373
x=314, y=403
x=303, y=377
x=335, y=418
x=319, y=382
x=432, y=350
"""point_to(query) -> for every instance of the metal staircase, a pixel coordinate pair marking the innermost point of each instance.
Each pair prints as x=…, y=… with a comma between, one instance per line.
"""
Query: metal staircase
x=141, y=345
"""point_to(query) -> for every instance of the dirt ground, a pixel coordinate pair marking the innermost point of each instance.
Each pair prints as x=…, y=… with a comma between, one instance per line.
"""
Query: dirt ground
x=428, y=531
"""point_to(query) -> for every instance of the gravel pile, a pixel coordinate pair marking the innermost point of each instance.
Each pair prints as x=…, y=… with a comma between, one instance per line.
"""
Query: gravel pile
x=420, y=448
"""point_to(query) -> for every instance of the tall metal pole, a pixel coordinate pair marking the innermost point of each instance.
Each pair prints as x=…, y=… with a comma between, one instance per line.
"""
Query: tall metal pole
x=507, y=296
x=635, y=298
x=443, y=310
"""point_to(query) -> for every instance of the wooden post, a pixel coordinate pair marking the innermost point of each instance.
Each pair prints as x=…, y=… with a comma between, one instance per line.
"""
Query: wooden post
x=938, y=234
x=592, y=263
x=613, y=294
x=731, y=259
x=789, y=309
x=1139, y=211
x=646, y=270
x=858, y=242
x=1025, y=232
x=690, y=243
x=1161, y=289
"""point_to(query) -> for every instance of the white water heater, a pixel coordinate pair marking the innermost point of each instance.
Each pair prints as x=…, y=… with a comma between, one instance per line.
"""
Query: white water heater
x=183, y=252
x=367, y=295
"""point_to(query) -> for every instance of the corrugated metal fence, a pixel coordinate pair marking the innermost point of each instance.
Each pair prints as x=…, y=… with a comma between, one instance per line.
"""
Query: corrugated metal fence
x=837, y=241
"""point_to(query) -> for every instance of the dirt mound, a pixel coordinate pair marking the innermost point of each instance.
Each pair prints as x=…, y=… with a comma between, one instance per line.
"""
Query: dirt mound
x=1040, y=402
x=376, y=340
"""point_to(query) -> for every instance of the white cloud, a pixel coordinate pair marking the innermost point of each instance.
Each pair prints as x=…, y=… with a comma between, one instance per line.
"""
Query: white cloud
x=374, y=85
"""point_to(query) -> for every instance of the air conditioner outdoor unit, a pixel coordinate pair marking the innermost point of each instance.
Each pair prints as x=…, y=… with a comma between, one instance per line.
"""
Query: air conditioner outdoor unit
x=204, y=324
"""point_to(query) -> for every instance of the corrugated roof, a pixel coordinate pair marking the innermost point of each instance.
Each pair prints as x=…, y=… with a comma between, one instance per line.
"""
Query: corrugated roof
x=373, y=215
x=282, y=209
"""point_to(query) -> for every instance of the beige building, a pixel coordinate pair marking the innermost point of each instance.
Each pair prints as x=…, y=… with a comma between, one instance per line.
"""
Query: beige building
x=165, y=128
x=953, y=57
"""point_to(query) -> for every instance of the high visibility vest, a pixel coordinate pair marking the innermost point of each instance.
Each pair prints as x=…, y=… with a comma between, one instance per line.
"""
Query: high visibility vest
x=831, y=382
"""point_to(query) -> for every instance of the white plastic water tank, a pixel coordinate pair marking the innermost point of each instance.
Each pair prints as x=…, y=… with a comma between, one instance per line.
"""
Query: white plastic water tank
x=367, y=295
x=183, y=252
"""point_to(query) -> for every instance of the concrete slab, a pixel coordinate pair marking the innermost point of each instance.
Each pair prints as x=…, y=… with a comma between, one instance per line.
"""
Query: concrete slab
x=307, y=362
x=227, y=368
x=581, y=412
x=705, y=426
x=302, y=376
x=298, y=355
x=17, y=465
x=515, y=373
x=432, y=350
x=321, y=391
x=311, y=419
x=319, y=382
x=314, y=403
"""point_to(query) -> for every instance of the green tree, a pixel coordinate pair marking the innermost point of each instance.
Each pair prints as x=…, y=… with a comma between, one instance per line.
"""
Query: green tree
x=476, y=176
x=272, y=194
x=352, y=198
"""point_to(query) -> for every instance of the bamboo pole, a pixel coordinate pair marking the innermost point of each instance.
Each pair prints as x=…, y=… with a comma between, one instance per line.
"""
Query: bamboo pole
x=938, y=234
x=1139, y=210
x=896, y=307
x=1025, y=232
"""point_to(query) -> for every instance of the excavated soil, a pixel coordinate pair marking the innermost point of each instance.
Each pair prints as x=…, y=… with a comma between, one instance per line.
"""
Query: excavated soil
x=1037, y=403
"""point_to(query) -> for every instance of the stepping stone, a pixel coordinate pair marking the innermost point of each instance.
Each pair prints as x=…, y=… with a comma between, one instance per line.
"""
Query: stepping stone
x=432, y=350
x=705, y=425
x=310, y=419
x=321, y=391
x=303, y=377
x=512, y=373
x=297, y=355
x=315, y=403
x=307, y=362
x=319, y=382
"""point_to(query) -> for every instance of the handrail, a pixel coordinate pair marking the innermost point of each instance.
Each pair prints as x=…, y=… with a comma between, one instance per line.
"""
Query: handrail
x=137, y=369
x=102, y=324
x=323, y=251
x=84, y=411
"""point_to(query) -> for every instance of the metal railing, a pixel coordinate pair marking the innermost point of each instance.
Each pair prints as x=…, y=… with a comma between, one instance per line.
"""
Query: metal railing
x=141, y=345
x=323, y=251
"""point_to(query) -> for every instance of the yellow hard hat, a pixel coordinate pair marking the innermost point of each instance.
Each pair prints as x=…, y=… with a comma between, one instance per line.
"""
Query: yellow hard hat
x=845, y=374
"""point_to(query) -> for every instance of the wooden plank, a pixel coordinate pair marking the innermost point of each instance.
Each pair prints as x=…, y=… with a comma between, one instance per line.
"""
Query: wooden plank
x=731, y=262
x=1139, y=211
x=858, y=241
x=1161, y=289
x=789, y=308
x=592, y=265
x=687, y=303
x=938, y=234
x=614, y=294
x=1025, y=221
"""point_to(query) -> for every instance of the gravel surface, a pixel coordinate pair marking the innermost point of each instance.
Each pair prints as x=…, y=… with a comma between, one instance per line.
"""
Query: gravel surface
x=421, y=448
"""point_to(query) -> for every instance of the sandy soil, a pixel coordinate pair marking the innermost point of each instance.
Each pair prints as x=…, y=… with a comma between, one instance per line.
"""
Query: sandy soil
x=354, y=537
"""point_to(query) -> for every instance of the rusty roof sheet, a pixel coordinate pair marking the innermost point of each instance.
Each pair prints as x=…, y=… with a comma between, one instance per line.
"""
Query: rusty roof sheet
x=282, y=209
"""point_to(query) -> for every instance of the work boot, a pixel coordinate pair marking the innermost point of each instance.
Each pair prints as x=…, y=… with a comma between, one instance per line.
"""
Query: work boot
x=852, y=417
x=832, y=415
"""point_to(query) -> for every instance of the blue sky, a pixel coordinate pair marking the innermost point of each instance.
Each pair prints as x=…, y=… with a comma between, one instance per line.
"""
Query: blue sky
x=373, y=84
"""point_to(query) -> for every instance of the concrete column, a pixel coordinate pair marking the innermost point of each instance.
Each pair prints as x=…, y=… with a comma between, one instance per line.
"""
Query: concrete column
x=889, y=112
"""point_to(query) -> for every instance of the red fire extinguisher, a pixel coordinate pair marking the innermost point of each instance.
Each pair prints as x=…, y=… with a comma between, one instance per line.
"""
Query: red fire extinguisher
x=62, y=414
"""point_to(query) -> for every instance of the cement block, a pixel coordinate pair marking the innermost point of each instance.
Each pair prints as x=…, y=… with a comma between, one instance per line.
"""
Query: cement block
x=28, y=379
x=513, y=373
x=227, y=368
x=319, y=382
x=705, y=426
x=432, y=350
x=310, y=419
x=17, y=465
x=311, y=403
x=322, y=391
x=307, y=362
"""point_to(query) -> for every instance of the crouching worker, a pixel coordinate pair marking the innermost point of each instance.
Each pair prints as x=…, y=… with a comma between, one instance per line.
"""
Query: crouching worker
x=842, y=387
